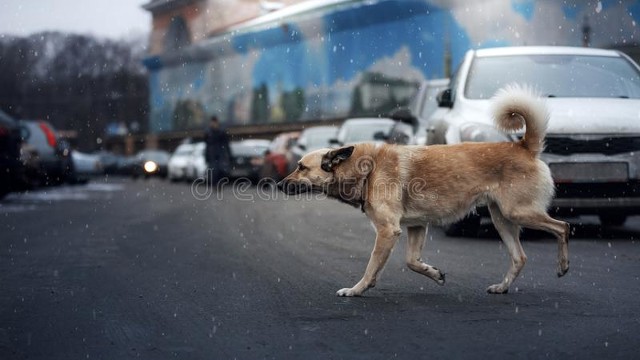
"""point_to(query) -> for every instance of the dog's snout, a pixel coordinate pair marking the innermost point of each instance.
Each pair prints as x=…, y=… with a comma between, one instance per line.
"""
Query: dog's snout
x=281, y=185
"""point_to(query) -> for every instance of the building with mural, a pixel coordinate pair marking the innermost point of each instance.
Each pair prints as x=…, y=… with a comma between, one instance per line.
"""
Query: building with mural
x=314, y=60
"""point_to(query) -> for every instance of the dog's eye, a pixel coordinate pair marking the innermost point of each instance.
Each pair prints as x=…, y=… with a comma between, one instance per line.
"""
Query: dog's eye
x=301, y=167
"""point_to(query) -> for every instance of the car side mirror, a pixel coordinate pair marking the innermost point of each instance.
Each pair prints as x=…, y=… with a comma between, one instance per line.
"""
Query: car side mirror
x=380, y=136
x=445, y=99
x=302, y=147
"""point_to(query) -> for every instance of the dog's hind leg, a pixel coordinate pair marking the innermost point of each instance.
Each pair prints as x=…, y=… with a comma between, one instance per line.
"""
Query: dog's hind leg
x=510, y=234
x=416, y=238
x=387, y=233
x=541, y=221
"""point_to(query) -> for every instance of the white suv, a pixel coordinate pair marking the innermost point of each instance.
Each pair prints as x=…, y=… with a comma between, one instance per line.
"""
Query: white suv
x=593, y=138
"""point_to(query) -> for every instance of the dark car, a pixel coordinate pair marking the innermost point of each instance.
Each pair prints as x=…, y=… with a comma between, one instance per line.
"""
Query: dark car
x=310, y=139
x=149, y=163
x=12, y=174
x=55, y=164
x=247, y=157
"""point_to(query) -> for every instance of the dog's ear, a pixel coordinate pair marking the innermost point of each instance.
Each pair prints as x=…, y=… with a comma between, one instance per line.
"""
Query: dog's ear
x=335, y=157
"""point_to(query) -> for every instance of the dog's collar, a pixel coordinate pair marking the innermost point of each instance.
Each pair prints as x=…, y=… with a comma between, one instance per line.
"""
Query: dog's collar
x=354, y=202
x=365, y=183
x=360, y=202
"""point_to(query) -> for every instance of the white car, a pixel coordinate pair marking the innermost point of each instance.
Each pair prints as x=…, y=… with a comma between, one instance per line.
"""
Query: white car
x=178, y=162
x=197, y=163
x=593, y=137
x=359, y=130
x=86, y=164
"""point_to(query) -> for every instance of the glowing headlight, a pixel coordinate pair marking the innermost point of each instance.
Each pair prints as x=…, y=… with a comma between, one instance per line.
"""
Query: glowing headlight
x=150, y=166
x=481, y=133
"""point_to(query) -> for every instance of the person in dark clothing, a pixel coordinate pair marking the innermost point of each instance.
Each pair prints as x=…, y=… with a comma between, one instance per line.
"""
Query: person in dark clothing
x=218, y=151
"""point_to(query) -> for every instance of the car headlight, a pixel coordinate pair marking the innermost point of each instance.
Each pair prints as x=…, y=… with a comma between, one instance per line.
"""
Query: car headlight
x=150, y=166
x=481, y=133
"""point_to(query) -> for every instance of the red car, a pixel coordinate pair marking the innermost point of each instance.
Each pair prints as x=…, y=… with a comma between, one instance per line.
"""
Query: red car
x=276, y=159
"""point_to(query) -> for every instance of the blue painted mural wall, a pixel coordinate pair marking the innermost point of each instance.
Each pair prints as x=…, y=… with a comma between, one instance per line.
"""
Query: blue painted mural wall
x=359, y=58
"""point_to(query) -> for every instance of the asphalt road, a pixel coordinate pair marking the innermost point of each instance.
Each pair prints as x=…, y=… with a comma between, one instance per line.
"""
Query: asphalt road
x=144, y=269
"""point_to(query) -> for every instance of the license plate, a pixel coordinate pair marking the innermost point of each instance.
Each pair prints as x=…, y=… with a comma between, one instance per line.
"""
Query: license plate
x=589, y=172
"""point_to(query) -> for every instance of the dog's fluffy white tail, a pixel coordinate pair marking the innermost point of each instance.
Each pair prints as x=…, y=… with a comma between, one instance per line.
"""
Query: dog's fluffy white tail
x=516, y=106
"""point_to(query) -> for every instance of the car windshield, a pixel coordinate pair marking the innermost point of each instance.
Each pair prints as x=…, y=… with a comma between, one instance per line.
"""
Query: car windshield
x=363, y=131
x=555, y=76
x=318, y=138
x=247, y=150
x=184, y=150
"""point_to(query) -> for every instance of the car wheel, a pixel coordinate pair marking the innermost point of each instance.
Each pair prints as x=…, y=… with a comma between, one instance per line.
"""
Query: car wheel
x=612, y=219
x=469, y=226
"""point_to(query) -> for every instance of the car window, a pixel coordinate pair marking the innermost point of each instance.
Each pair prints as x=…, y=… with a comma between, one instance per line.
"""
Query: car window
x=359, y=132
x=184, y=150
x=276, y=144
x=430, y=104
x=317, y=139
x=247, y=150
x=555, y=76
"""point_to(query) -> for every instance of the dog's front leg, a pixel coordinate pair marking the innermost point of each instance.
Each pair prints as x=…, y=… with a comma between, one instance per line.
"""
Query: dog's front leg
x=386, y=237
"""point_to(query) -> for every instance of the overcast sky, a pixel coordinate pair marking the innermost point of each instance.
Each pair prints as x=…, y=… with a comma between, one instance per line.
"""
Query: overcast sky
x=105, y=18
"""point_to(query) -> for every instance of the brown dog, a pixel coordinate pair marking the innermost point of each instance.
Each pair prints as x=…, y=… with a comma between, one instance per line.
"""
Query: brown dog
x=416, y=186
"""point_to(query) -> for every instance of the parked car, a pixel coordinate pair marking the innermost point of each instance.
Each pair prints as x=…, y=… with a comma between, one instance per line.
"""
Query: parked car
x=411, y=127
x=12, y=175
x=53, y=155
x=247, y=158
x=149, y=163
x=125, y=165
x=359, y=130
x=310, y=139
x=197, y=162
x=425, y=106
x=276, y=159
x=593, y=136
x=86, y=165
x=109, y=162
x=179, y=161
x=405, y=128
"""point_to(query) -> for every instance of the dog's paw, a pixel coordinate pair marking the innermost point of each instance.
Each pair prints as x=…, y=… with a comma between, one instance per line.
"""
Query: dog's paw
x=347, y=292
x=497, y=289
x=563, y=269
x=438, y=276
